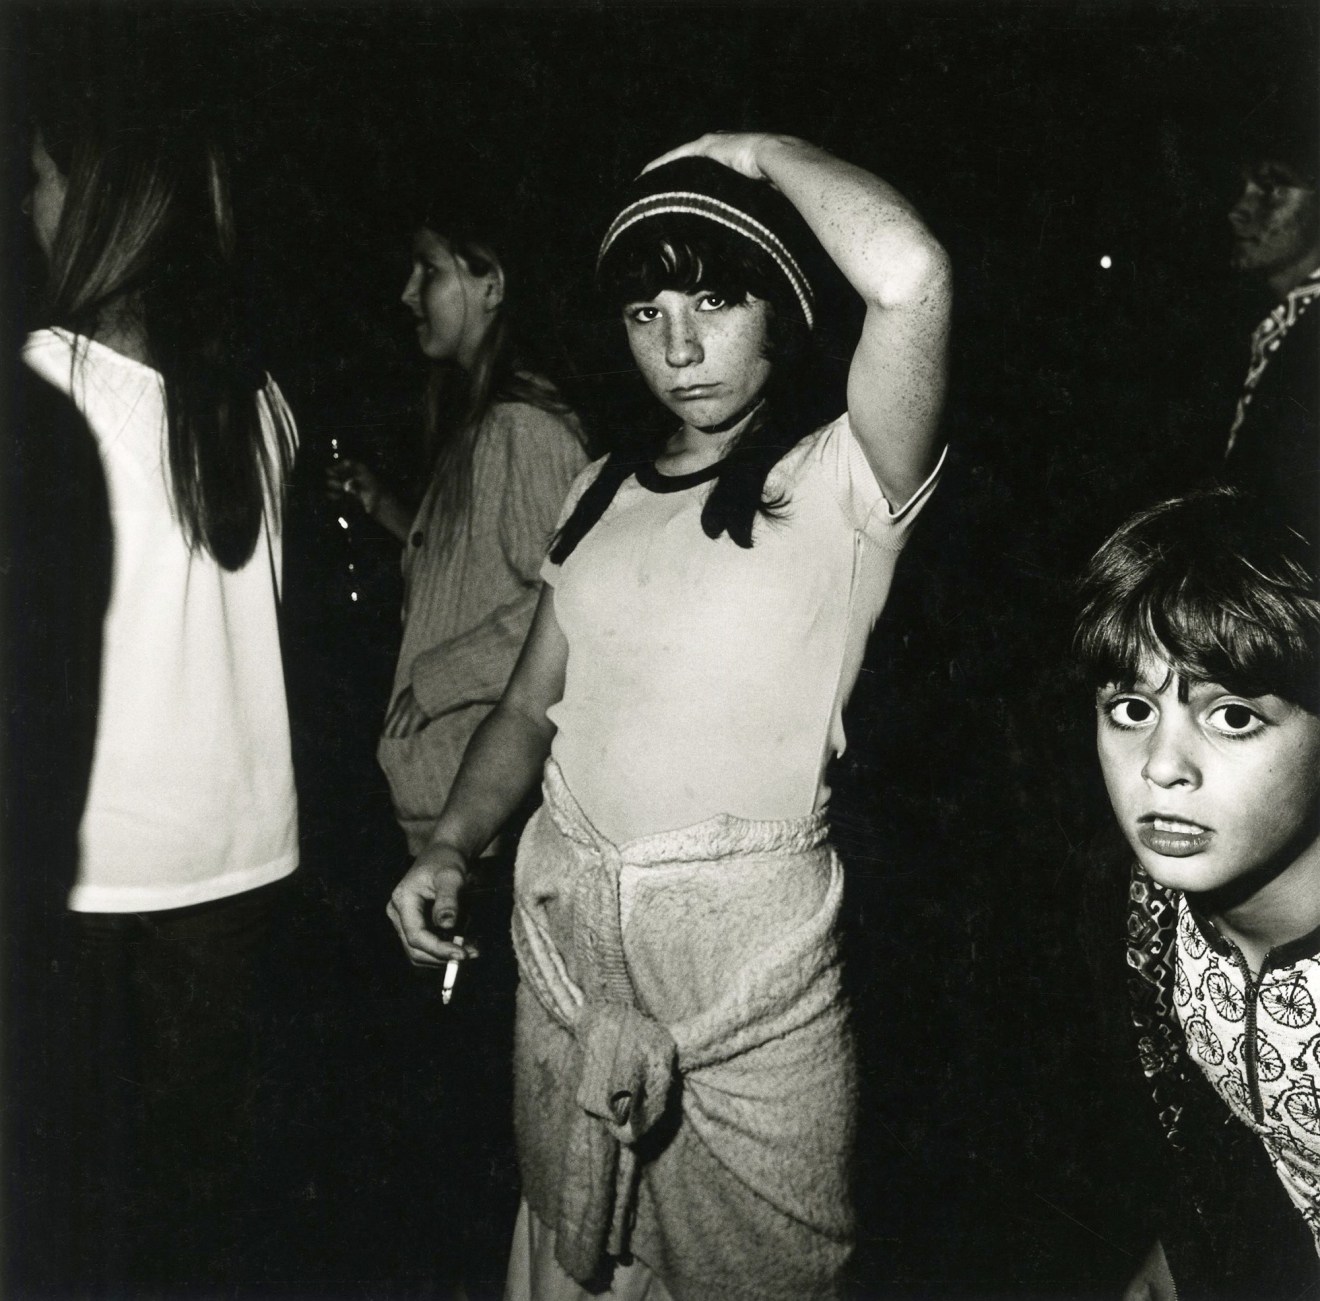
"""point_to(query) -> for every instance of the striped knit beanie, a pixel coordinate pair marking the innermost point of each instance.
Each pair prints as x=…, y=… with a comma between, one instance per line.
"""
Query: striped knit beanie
x=703, y=188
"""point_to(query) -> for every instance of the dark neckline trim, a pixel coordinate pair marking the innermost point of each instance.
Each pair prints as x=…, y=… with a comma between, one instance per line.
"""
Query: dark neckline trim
x=1288, y=954
x=653, y=481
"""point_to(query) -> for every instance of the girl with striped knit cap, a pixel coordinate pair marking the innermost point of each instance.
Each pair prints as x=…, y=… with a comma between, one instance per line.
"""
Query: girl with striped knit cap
x=684, y=1082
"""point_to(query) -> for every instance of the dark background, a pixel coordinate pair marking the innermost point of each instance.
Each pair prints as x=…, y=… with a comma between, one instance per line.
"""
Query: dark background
x=996, y=1154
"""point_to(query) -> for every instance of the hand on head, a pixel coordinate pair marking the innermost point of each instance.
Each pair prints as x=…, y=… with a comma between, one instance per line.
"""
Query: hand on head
x=735, y=149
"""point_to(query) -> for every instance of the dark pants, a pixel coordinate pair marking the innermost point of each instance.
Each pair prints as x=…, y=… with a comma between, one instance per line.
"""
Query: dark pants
x=161, y=1084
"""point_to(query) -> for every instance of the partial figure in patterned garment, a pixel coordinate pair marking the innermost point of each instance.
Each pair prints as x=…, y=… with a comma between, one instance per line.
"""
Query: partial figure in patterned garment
x=1273, y=447
x=684, y=1081
x=1200, y=631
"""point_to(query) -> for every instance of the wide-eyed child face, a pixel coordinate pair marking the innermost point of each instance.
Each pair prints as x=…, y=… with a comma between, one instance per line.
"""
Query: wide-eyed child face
x=1211, y=788
x=701, y=355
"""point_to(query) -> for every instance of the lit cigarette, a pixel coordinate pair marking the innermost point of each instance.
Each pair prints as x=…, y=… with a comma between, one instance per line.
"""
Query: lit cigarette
x=451, y=975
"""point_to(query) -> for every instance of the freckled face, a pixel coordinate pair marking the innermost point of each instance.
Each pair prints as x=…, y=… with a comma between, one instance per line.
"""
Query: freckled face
x=452, y=306
x=702, y=356
x=1275, y=224
x=1213, y=788
x=45, y=200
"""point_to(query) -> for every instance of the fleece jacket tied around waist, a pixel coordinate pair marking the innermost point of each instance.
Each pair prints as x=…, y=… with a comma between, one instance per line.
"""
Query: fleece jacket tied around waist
x=685, y=1087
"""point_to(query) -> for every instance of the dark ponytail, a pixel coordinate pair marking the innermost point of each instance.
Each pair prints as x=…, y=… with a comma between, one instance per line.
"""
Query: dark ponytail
x=593, y=503
x=794, y=406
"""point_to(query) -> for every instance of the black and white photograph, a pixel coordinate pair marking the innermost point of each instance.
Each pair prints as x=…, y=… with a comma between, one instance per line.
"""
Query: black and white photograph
x=660, y=651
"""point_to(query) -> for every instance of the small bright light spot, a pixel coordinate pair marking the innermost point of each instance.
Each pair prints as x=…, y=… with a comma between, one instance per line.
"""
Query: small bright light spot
x=1106, y=262
x=343, y=523
x=334, y=442
x=351, y=566
x=353, y=595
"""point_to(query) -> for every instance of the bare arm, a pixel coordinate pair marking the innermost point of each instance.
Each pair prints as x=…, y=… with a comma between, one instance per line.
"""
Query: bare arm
x=900, y=271
x=501, y=765
x=392, y=515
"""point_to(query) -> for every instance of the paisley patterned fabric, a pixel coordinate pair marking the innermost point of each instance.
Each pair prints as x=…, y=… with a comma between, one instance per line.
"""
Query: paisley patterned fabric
x=1229, y=1228
x=1265, y=341
x=1257, y=1040
x=1152, y=959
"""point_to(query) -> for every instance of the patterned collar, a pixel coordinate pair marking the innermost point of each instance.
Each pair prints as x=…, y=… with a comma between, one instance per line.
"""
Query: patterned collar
x=1283, y=955
x=1265, y=341
x=1152, y=955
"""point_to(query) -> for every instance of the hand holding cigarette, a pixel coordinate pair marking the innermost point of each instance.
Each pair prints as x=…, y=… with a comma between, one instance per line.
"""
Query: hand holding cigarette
x=424, y=909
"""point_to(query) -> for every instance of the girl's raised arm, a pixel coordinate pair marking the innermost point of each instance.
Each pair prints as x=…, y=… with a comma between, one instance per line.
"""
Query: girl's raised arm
x=882, y=247
x=501, y=764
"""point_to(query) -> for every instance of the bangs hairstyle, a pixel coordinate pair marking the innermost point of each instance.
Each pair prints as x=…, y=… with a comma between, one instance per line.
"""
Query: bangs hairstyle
x=1211, y=585
x=686, y=253
x=682, y=252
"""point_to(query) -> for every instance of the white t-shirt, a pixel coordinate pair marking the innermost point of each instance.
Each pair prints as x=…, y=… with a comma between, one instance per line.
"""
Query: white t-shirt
x=705, y=678
x=191, y=795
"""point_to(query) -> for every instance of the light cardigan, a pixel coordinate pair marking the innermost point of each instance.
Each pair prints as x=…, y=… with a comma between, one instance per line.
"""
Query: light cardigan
x=469, y=599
